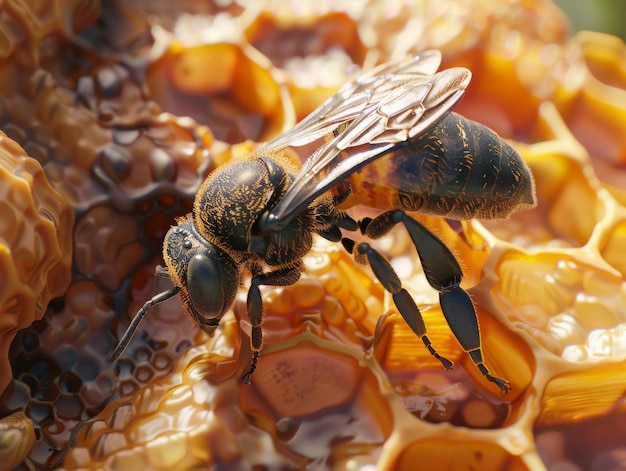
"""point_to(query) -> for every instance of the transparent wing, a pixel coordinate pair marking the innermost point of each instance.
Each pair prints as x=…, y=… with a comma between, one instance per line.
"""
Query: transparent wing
x=401, y=103
x=353, y=97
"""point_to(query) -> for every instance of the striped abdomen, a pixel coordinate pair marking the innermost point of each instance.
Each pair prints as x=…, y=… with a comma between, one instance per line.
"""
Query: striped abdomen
x=458, y=169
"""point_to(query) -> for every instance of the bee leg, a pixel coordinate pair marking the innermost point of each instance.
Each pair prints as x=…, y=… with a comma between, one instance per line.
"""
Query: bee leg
x=444, y=274
x=280, y=277
x=333, y=232
x=385, y=273
x=457, y=227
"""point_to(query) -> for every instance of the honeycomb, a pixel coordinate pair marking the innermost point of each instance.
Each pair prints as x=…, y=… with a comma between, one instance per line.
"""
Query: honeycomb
x=127, y=106
x=35, y=245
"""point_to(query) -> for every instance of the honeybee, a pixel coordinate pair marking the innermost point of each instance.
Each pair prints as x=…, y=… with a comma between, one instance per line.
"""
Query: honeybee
x=393, y=144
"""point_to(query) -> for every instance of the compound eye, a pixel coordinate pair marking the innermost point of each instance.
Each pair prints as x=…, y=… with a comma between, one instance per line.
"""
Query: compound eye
x=205, y=285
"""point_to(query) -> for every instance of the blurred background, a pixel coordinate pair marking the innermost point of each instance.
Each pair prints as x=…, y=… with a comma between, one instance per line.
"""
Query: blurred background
x=608, y=16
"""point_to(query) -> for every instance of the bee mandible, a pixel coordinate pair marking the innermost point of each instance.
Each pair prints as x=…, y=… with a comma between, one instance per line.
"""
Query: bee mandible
x=392, y=144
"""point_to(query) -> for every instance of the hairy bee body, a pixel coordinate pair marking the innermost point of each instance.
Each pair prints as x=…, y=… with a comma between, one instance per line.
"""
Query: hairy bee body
x=458, y=169
x=230, y=201
x=392, y=143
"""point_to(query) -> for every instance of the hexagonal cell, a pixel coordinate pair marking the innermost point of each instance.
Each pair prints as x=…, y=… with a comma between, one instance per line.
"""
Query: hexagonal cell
x=243, y=101
x=70, y=382
x=434, y=453
x=310, y=392
x=41, y=413
x=144, y=373
x=282, y=36
x=592, y=443
x=69, y=406
x=127, y=387
x=305, y=382
x=454, y=396
x=595, y=384
x=15, y=397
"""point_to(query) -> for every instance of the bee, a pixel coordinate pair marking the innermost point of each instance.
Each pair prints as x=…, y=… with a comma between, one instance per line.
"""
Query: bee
x=392, y=143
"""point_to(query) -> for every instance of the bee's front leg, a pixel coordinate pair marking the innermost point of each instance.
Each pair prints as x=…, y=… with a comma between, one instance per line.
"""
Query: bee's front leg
x=280, y=277
x=444, y=274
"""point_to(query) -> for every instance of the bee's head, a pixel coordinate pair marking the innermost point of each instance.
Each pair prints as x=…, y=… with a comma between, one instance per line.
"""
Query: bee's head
x=207, y=276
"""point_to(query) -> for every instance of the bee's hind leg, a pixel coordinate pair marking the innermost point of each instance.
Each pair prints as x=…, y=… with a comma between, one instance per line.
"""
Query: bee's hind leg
x=442, y=272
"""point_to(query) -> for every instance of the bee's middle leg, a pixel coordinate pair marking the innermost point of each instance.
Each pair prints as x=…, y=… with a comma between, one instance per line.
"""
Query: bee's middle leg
x=364, y=252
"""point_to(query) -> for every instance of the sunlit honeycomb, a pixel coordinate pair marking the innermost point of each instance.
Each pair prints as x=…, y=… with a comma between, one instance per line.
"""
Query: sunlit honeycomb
x=114, y=112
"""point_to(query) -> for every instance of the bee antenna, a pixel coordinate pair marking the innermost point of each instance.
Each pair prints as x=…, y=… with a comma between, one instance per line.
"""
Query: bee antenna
x=130, y=331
